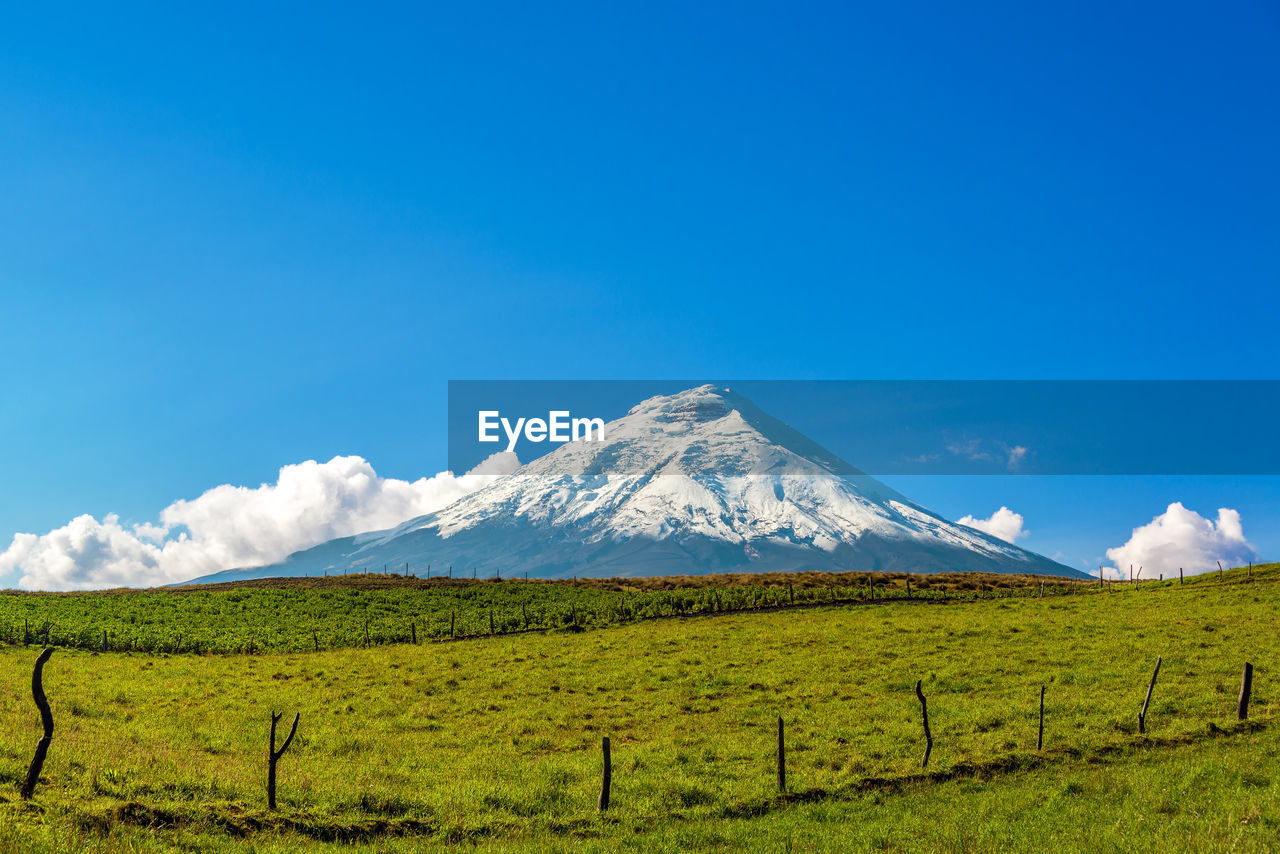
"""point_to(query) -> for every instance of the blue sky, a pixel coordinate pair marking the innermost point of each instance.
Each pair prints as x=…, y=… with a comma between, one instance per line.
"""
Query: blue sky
x=236, y=238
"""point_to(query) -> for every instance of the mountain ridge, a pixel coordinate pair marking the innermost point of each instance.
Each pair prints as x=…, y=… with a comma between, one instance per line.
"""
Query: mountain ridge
x=696, y=482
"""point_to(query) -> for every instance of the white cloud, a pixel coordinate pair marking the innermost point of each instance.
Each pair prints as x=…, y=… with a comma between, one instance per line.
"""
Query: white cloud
x=1182, y=538
x=969, y=448
x=235, y=526
x=974, y=450
x=1004, y=524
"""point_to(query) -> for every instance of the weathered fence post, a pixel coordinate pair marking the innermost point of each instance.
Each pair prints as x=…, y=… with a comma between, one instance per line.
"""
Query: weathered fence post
x=924, y=718
x=1040, y=736
x=606, y=776
x=490, y=621
x=46, y=719
x=452, y=614
x=1180, y=578
x=315, y=639
x=104, y=640
x=273, y=755
x=1246, y=688
x=791, y=591
x=413, y=632
x=1219, y=570
x=782, y=758
x=366, y=633
x=1142, y=717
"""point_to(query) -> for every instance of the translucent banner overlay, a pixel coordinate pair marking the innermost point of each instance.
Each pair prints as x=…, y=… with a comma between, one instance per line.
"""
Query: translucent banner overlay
x=734, y=427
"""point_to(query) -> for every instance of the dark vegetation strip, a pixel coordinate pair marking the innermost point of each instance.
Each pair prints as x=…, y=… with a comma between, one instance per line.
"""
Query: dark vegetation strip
x=297, y=615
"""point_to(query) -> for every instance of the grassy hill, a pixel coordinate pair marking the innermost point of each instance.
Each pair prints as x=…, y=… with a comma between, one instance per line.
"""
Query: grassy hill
x=297, y=614
x=494, y=742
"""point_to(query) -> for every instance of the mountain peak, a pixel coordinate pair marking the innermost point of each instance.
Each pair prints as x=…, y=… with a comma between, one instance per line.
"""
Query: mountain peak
x=706, y=430
x=693, y=482
x=701, y=404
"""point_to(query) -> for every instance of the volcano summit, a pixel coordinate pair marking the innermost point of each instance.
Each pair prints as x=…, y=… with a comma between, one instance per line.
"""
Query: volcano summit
x=696, y=482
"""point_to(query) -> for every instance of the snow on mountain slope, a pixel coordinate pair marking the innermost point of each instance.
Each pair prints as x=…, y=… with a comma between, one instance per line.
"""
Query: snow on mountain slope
x=699, y=481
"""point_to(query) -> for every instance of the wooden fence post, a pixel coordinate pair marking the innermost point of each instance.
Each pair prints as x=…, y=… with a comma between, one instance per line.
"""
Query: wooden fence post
x=413, y=632
x=452, y=614
x=782, y=758
x=366, y=633
x=46, y=719
x=490, y=621
x=924, y=717
x=1040, y=736
x=606, y=776
x=1180, y=578
x=273, y=755
x=1246, y=688
x=1142, y=717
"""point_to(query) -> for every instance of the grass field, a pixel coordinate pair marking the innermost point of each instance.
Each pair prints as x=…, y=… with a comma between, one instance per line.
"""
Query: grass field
x=292, y=615
x=494, y=742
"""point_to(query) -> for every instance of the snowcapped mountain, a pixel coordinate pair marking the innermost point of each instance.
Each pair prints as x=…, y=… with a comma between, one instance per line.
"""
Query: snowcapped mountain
x=696, y=482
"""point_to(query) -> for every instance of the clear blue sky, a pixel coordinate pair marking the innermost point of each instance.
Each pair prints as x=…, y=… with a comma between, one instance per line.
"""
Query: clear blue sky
x=234, y=238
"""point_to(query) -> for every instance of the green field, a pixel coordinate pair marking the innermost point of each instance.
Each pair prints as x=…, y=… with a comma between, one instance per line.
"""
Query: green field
x=494, y=742
x=294, y=615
